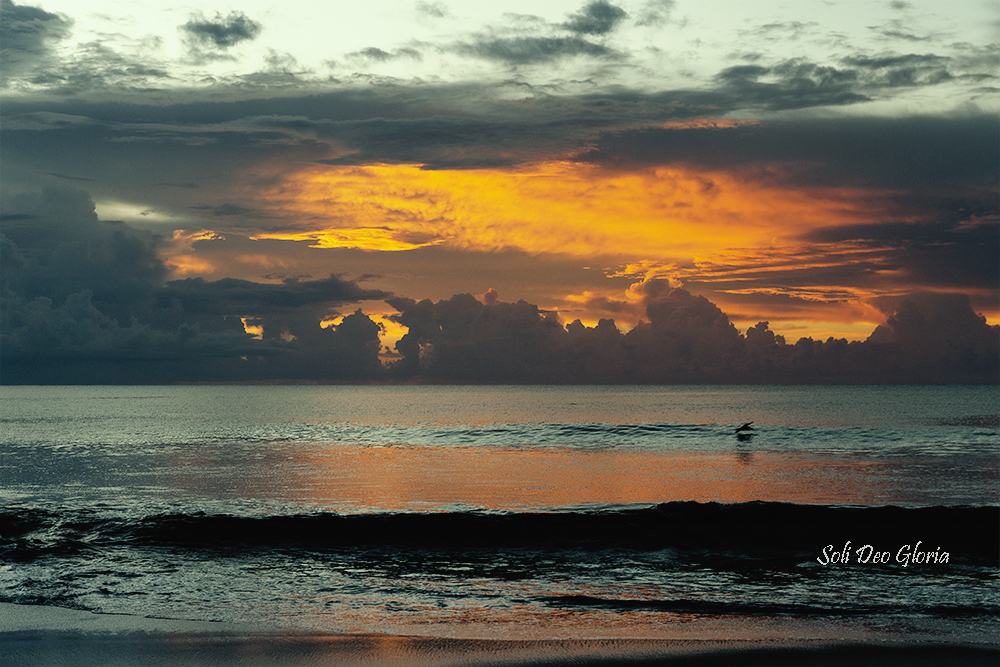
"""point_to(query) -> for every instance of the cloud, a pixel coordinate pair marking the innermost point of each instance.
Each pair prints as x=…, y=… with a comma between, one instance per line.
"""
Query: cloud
x=221, y=33
x=27, y=35
x=918, y=152
x=959, y=254
x=85, y=300
x=209, y=40
x=231, y=296
x=655, y=13
x=596, y=18
x=531, y=50
x=792, y=84
x=897, y=71
x=937, y=338
x=687, y=339
x=436, y=10
x=374, y=54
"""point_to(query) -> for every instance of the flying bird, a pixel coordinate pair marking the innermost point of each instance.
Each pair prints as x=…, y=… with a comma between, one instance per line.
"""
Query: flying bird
x=745, y=427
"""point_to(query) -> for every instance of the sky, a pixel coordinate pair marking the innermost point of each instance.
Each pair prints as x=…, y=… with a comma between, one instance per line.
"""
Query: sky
x=297, y=190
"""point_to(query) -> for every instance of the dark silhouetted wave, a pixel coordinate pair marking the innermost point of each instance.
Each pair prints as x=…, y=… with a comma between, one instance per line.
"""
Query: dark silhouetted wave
x=749, y=531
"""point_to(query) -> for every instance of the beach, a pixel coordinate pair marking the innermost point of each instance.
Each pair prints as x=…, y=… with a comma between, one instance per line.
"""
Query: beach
x=40, y=635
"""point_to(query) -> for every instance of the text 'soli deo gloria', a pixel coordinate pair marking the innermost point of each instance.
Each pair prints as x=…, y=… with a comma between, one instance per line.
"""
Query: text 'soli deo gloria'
x=904, y=555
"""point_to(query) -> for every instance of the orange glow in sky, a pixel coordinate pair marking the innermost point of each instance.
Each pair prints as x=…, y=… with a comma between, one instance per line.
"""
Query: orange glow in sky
x=553, y=207
x=674, y=223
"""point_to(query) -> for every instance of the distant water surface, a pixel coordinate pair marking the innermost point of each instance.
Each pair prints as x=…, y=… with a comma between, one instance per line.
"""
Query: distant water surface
x=417, y=508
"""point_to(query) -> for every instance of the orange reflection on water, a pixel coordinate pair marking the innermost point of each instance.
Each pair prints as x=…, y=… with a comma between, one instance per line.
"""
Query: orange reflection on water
x=435, y=478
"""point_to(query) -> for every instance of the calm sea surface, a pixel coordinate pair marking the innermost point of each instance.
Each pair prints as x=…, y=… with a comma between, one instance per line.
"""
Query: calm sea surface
x=506, y=511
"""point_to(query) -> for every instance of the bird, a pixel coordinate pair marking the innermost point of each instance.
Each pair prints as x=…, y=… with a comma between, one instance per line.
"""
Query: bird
x=745, y=427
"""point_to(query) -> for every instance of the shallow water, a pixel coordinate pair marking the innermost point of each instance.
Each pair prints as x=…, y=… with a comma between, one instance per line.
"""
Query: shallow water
x=502, y=511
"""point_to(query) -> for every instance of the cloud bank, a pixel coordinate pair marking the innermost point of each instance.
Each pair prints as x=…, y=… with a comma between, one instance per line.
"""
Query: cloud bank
x=89, y=301
x=927, y=338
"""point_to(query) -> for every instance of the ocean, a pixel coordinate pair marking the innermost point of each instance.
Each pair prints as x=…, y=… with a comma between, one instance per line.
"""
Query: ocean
x=510, y=511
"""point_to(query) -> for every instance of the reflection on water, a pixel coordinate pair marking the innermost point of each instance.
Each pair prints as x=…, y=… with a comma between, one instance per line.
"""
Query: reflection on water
x=418, y=448
x=410, y=478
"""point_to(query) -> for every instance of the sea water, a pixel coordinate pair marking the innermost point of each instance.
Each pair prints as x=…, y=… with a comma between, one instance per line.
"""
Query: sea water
x=498, y=511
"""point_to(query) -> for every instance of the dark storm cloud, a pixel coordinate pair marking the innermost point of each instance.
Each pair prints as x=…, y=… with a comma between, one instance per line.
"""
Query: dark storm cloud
x=946, y=153
x=936, y=162
x=435, y=142
x=793, y=84
x=688, y=339
x=799, y=83
x=222, y=32
x=27, y=35
x=230, y=295
x=84, y=300
x=596, y=18
x=957, y=254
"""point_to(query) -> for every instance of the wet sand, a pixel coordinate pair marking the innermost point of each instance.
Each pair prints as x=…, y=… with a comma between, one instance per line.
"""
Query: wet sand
x=50, y=636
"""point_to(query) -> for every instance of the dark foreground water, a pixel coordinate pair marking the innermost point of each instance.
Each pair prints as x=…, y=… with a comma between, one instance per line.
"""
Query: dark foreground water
x=508, y=511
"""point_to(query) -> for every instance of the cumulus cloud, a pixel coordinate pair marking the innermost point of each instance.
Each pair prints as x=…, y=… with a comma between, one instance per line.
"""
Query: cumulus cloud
x=937, y=338
x=687, y=339
x=85, y=300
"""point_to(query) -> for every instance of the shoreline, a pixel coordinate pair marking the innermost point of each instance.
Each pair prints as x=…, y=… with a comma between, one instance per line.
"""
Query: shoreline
x=42, y=635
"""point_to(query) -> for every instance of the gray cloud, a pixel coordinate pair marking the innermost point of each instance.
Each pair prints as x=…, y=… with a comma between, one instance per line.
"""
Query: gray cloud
x=374, y=54
x=437, y=10
x=598, y=17
x=532, y=50
x=84, y=300
x=27, y=35
x=655, y=12
x=919, y=153
x=956, y=254
x=222, y=32
x=780, y=30
x=897, y=71
x=926, y=338
x=229, y=295
x=796, y=84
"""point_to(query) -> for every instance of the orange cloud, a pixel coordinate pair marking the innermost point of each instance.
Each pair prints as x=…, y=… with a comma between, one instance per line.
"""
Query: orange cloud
x=553, y=207
x=733, y=233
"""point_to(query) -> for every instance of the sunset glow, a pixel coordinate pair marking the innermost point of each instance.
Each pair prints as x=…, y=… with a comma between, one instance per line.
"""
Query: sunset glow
x=661, y=172
x=557, y=207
